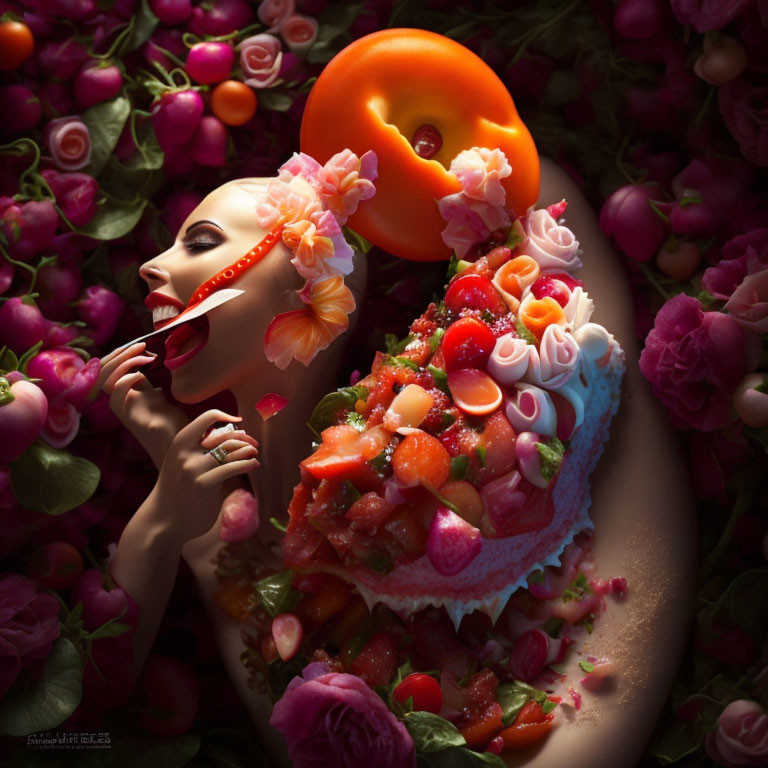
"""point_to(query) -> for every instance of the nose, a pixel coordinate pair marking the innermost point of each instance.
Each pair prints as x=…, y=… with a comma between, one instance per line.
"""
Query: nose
x=153, y=274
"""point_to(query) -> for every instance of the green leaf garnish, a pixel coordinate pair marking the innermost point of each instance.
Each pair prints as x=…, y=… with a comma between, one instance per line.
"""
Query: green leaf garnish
x=586, y=666
x=432, y=733
x=551, y=454
x=325, y=413
x=440, y=377
x=481, y=454
x=524, y=333
x=578, y=590
x=435, y=339
x=459, y=467
x=356, y=420
x=276, y=593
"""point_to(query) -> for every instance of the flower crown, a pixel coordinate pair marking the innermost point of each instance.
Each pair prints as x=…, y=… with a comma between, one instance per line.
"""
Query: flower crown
x=309, y=203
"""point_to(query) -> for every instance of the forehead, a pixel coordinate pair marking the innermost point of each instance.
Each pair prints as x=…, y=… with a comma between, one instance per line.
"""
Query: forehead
x=232, y=207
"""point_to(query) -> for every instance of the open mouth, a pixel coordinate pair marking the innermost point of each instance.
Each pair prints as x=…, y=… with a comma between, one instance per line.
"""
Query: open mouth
x=185, y=341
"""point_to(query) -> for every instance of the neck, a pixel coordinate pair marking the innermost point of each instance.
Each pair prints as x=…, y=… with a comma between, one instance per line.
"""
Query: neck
x=284, y=439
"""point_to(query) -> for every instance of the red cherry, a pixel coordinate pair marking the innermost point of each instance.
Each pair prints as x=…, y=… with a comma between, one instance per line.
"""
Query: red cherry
x=467, y=343
x=474, y=292
x=547, y=285
x=425, y=691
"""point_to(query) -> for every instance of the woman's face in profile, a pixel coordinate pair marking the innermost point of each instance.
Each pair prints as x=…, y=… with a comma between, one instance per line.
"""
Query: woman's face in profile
x=214, y=353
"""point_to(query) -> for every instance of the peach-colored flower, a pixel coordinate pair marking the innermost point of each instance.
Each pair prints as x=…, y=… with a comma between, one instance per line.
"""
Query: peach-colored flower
x=309, y=246
x=749, y=302
x=286, y=202
x=480, y=172
x=469, y=221
x=299, y=32
x=303, y=333
x=345, y=180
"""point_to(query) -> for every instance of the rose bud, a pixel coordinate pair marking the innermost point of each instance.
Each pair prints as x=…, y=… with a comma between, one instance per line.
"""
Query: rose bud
x=69, y=143
x=64, y=374
x=21, y=324
x=751, y=405
x=29, y=227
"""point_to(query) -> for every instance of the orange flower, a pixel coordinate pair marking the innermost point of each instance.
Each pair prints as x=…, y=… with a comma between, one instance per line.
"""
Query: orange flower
x=303, y=333
x=537, y=314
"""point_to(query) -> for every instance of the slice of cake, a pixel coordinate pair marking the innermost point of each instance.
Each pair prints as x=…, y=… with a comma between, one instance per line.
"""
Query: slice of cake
x=461, y=463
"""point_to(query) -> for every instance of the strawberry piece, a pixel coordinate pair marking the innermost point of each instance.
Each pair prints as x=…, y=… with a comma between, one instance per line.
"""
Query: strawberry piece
x=474, y=391
x=481, y=729
x=369, y=512
x=421, y=458
x=548, y=285
x=465, y=498
x=327, y=602
x=423, y=690
x=403, y=538
x=480, y=692
x=530, y=726
x=498, y=438
x=529, y=656
x=344, y=451
x=452, y=543
x=467, y=343
x=376, y=663
x=474, y=292
x=481, y=719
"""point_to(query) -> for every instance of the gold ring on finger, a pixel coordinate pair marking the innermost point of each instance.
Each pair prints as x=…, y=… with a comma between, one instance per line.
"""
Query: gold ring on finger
x=220, y=454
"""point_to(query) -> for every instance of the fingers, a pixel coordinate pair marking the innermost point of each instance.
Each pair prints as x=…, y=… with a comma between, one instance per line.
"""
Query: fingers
x=123, y=368
x=115, y=358
x=121, y=389
x=190, y=434
x=241, y=435
x=237, y=449
x=219, y=474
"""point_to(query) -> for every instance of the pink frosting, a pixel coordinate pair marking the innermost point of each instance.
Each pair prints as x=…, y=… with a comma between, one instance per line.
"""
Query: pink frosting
x=510, y=358
x=530, y=409
x=556, y=360
x=550, y=244
x=260, y=59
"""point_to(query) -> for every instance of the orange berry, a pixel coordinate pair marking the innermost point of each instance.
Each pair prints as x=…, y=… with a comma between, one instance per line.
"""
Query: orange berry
x=233, y=102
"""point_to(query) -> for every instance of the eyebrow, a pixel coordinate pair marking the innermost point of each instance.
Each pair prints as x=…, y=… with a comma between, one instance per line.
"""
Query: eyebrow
x=199, y=223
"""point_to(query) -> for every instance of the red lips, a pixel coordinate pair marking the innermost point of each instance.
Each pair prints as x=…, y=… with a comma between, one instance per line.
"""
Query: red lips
x=178, y=339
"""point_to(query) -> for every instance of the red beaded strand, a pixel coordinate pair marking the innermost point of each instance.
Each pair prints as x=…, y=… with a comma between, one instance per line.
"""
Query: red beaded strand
x=233, y=271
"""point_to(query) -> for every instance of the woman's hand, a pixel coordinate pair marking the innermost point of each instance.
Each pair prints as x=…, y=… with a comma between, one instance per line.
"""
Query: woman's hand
x=190, y=489
x=142, y=409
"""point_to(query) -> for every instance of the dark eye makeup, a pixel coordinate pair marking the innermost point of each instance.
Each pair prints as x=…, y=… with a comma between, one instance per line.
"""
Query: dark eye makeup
x=203, y=236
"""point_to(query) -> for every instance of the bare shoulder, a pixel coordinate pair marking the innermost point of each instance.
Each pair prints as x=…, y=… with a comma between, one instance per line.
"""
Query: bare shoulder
x=644, y=530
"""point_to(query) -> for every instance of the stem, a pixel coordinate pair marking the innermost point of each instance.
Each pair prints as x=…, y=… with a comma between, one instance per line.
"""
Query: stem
x=175, y=59
x=26, y=144
x=653, y=280
x=18, y=264
x=528, y=37
x=127, y=29
x=710, y=561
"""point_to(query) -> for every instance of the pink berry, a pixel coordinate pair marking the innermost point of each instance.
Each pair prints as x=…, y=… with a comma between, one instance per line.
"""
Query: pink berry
x=546, y=285
x=287, y=633
x=529, y=656
x=210, y=62
x=619, y=585
x=495, y=745
x=452, y=543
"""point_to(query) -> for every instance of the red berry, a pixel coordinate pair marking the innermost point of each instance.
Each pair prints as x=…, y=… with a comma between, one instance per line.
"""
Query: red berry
x=467, y=343
x=424, y=690
x=377, y=661
x=474, y=292
x=547, y=285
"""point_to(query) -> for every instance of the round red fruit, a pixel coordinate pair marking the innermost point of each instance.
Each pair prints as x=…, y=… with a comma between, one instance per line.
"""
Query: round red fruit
x=474, y=292
x=548, y=285
x=467, y=343
x=424, y=690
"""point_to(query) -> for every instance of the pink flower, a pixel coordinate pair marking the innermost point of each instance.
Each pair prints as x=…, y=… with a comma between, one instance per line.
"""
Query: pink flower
x=694, y=361
x=332, y=719
x=743, y=255
x=272, y=12
x=744, y=108
x=551, y=245
x=480, y=172
x=345, y=180
x=301, y=164
x=749, y=302
x=260, y=59
x=704, y=15
x=287, y=202
x=741, y=736
x=299, y=32
x=29, y=624
x=469, y=221
x=239, y=515
x=61, y=424
x=309, y=246
x=69, y=143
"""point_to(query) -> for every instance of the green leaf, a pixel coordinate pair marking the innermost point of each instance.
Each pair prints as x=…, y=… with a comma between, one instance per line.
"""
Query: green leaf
x=524, y=333
x=432, y=733
x=406, y=362
x=36, y=706
x=148, y=156
x=143, y=24
x=440, y=377
x=27, y=356
x=110, y=629
x=276, y=593
x=114, y=218
x=356, y=420
x=8, y=360
x=277, y=101
x=325, y=412
x=460, y=757
x=452, y=266
x=681, y=738
x=459, y=467
x=435, y=339
x=514, y=696
x=52, y=481
x=586, y=666
x=395, y=346
x=154, y=753
x=577, y=590
x=481, y=453
x=356, y=240
x=551, y=454
x=105, y=123
x=334, y=23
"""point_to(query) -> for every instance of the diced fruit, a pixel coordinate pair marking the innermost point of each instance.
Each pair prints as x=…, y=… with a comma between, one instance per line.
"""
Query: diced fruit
x=480, y=692
x=452, y=543
x=529, y=655
x=547, y=285
x=404, y=538
x=465, y=498
x=347, y=621
x=235, y=597
x=377, y=661
x=409, y=408
x=421, y=459
x=424, y=690
x=536, y=315
x=474, y=292
x=566, y=415
x=503, y=499
x=530, y=726
x=287, y=633
x=327, y=602
x=474, y=391
x=369, y=512
x=483, y=727
x=344, y=450
x=498, y=439
x=467, y=343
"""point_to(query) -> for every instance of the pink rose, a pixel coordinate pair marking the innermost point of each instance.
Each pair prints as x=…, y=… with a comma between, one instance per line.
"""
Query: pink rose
x=61, y=424
x=744, y=108
x=332, y=720
x=694, y=361
x=480, y=172
x=704, y=15
x=749, y=302
x=550, y=244
x=743, y=255
x=260, y=59
x=272, y=12
x=741, y=737
x=65, y=376
x=346, y=180
x=469, y=221
x=299, y=32
x=29, y=624
x=69, y=143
